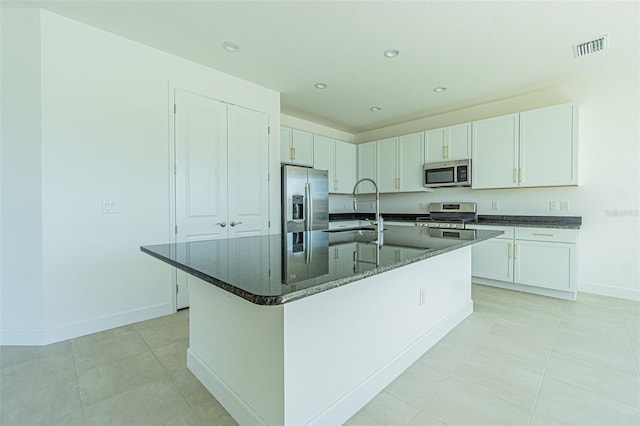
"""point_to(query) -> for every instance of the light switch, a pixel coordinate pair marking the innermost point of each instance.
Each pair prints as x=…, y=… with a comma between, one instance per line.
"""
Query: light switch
x=109, y=207
x=553, y=206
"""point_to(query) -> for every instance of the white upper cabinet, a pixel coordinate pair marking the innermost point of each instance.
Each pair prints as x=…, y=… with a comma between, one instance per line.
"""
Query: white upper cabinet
x=345, y=168
x=400, y=163
x=448, y=144
x=495, y=152
x=532, y=148
x=324, y=156
x=339, y=158
x=296, y=147
x=366, y=166
x=410, y=162
x=387, y=165
x=548, y=151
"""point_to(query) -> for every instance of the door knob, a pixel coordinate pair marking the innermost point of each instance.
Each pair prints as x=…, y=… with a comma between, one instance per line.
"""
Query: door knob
x=235, y=223
x=222, y=224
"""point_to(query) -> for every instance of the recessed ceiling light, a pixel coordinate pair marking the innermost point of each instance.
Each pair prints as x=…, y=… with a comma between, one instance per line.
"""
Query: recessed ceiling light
x=391, y=53
x=230, y=46
x=321, y=85
x=439, y=89
x=375, y=108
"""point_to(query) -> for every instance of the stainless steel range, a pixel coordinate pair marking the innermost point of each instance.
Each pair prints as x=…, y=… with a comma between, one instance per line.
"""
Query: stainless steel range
x=449, y=220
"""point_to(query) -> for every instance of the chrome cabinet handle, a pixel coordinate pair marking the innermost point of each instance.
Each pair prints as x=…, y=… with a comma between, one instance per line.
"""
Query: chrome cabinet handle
x=235, y=223
x=222, y=224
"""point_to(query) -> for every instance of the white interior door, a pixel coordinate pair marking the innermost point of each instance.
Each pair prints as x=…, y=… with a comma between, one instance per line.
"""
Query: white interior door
x=248, y=168
x=201, y=173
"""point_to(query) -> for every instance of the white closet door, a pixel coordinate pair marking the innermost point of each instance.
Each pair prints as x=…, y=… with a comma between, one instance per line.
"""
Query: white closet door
x=248, y=168
x=201, y=173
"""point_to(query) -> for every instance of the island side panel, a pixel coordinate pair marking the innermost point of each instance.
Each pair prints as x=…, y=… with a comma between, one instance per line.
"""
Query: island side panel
x=236, y=351
x=344, y=346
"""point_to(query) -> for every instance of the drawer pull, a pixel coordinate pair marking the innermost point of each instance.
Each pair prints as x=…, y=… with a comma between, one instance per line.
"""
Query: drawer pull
x=542, y=235
x=515, y=251
x=510, y=251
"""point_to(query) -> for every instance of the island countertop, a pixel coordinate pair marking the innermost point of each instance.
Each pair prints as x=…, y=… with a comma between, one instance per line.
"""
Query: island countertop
x=277, y=269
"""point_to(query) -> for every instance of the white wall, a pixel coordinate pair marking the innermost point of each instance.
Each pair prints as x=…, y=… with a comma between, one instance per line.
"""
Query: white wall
x=21, y=291
x=608, y=195
x=104, y=136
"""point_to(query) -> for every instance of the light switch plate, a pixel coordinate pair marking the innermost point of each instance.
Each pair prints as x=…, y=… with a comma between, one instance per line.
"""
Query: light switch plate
x=553, y=206
x=109, y=207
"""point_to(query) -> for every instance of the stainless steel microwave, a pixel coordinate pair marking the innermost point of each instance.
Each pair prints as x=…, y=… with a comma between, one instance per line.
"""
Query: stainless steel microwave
x=449, y=173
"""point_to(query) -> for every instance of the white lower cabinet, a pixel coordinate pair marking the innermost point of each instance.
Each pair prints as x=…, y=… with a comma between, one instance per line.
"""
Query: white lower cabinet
x=537, y=260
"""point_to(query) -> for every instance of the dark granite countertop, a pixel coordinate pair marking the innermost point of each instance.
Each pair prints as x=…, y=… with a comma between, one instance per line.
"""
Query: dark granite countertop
x=563, y=222
x=566, y=222
x=276, y=269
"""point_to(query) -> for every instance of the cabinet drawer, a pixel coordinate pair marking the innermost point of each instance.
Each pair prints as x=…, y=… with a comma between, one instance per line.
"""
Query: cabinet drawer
x=547, y=234
x=508, y=230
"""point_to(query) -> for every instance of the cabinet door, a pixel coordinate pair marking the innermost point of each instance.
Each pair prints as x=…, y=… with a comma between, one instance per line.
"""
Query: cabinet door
x=285, y=145
x=542, y=264
x=323, y=158
x=548, y=147
x=410, y=162
x=388, y=165
x=434, y=146
x=366, y=166
x=495, y=152
x=492, y=259
x=345, y=167
x=458, y=142
x=248, y=172
x=302, y=144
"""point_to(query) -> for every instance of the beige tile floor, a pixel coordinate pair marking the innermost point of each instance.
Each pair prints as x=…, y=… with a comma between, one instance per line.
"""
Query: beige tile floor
x=519, y=359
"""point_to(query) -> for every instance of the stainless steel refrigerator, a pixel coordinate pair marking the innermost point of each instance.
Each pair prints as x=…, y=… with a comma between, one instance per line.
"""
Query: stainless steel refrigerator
x=305, y=199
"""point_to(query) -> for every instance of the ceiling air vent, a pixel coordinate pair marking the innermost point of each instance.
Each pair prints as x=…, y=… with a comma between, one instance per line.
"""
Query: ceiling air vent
x=591, y=47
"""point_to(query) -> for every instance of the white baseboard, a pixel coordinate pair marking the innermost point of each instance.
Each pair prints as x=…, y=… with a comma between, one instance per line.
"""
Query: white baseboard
x=611, y=291
x=40, y=337
x=224, y=394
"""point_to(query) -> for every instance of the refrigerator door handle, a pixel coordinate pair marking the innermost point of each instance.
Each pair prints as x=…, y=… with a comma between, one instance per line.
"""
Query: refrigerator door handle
x=310, y=211
x=308, y=247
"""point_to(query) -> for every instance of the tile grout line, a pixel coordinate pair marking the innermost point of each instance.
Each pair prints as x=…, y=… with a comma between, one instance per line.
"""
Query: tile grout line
x=633, y=352
x=546, y=366
x=168, y=373
x=75, y=369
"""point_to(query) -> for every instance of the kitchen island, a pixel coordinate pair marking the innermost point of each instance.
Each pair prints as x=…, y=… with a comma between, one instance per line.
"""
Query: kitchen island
x=306, y=328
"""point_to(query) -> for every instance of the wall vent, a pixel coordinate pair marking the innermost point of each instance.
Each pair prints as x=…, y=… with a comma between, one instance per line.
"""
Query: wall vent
x=591, y=47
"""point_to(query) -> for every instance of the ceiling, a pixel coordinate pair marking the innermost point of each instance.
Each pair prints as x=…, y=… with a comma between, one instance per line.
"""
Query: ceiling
x=480, y=51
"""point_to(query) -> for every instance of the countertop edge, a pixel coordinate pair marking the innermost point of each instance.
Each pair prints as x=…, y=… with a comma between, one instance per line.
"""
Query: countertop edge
x=306, y=292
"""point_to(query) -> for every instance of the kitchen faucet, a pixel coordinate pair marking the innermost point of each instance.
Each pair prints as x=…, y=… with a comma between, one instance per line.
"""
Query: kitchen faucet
x=378, y=219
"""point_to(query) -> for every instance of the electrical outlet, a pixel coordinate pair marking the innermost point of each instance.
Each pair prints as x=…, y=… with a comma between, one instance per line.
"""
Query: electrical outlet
x=564, y=206
x=495, y=205
x=553, y=206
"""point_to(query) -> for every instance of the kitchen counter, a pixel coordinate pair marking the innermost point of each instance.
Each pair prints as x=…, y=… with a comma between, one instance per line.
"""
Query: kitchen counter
x=540, y=221
x=308, y=327
x=270, y=270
